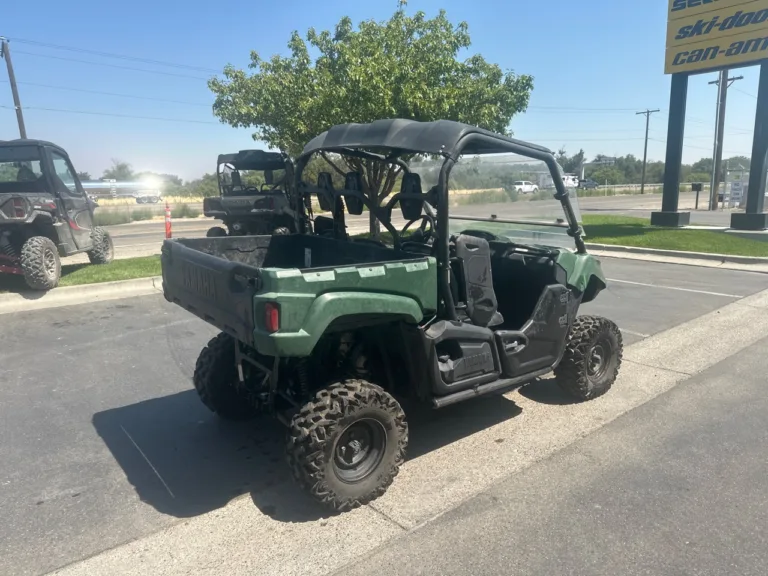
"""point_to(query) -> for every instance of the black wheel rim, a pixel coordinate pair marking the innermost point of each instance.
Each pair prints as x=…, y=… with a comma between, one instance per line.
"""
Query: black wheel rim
x=49, y=263
x=359, y=450
x=599, y=357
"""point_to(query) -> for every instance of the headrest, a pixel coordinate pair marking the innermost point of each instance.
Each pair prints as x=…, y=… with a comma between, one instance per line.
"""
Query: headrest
x=354, y=181
x=411, y=183
x=325, y=196
x=411, y=208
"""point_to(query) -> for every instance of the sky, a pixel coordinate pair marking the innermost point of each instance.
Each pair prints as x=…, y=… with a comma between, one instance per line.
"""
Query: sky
x=595, y=64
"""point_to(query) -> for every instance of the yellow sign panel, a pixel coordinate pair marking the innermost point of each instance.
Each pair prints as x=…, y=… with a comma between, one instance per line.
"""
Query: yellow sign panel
x=688, y=8
x=712, y=55
x=712, y=34
x=718, y=24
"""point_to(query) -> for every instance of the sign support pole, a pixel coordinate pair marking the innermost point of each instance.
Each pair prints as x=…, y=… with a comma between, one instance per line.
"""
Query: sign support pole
x=669, y=216
x=754, y=218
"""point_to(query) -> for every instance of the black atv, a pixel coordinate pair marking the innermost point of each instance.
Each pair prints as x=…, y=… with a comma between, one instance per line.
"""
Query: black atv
x=44, y=214
x=252, y=201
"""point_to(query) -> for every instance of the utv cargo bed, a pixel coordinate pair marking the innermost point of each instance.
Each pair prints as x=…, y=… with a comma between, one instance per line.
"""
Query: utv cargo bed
x=314, y=281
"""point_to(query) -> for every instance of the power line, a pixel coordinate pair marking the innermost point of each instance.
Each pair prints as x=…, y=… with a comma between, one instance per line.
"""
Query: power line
x=112, y=114
x=111, y=65
x=577, y=109
x=118, y=56
x=110, y=93
x=743, y=92
x=587, y=139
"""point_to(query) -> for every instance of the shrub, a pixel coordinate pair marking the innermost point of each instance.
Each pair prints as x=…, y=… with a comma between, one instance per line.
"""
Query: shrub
x=111, y=218
x=141, y=214
x=184, y=211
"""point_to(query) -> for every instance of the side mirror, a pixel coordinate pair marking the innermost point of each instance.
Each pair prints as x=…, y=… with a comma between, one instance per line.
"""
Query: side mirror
x=269, y=178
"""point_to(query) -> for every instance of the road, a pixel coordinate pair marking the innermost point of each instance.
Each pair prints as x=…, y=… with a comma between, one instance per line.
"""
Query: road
x=103, y=441
x=145, y=238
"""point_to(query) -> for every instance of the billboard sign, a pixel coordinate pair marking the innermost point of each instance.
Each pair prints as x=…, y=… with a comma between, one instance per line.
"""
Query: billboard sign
x=706, y=35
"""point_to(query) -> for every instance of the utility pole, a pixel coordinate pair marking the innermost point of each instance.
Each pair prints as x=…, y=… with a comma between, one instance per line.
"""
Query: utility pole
x=723, y=83
x=647, y=114
x=5, y=52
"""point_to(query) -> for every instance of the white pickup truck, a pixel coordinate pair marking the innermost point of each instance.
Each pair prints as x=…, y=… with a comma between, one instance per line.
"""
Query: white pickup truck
x=525, y=187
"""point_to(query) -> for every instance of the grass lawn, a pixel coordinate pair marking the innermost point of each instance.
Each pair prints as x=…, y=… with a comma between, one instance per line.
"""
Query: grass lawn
x=628, y=231
x=78, y=274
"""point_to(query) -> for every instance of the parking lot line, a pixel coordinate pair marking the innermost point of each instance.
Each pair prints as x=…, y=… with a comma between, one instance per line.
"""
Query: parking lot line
x=676, y=288
x=147, y=460
x=633, y=333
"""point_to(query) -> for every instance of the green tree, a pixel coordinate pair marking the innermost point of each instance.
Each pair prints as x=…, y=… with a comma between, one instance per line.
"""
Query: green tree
x=404, y=67
x=84, y=176
x=205, y=187
x=737, y=161
x=119, y=171
x=570, y=164
x=703, y=166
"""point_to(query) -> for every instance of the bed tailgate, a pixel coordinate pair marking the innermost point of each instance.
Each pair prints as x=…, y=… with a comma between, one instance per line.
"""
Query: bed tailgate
x=212, y=288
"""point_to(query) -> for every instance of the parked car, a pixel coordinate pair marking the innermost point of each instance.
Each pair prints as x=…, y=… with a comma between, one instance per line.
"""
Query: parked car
x=588, y=184
x=525, y=187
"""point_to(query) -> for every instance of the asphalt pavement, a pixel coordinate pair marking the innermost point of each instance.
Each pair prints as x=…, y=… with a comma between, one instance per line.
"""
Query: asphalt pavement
x=103, y=441
x=676, y=486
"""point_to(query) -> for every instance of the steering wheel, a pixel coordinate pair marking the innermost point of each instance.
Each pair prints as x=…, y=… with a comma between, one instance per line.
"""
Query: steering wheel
x=423, y=234
x=419, y=240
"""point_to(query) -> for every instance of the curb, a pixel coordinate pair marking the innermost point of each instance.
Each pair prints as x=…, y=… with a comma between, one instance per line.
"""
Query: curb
x=721, y=258
x=86, y=293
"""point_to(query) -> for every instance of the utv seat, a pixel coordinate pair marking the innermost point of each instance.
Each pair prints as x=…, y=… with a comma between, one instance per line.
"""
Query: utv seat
x=471, y=267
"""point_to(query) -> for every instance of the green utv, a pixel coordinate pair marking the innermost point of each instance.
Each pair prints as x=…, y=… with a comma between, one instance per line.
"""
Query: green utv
x=330, y=333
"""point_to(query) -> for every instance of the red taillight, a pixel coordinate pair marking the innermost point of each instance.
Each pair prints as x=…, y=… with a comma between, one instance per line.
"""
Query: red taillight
x=18, y=208
x=272, y=316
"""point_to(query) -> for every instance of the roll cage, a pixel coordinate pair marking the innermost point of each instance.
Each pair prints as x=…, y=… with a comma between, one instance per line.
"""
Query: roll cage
x=391, y=140
x=256, y=160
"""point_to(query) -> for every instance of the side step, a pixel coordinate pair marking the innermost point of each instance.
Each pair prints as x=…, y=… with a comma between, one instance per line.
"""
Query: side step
x=505, y=384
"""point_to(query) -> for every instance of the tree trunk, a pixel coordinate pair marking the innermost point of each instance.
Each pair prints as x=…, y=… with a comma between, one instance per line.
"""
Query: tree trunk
x=375, y=226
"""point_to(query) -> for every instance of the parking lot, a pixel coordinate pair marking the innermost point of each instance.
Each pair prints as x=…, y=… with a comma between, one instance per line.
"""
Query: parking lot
x=104, y=441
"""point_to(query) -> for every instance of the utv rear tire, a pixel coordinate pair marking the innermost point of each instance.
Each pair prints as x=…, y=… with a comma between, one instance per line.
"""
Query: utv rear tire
x=216, y=380
x=592, y=358
x=103, y=251
x=40, y=263
x=346, y=445
x=216, y=232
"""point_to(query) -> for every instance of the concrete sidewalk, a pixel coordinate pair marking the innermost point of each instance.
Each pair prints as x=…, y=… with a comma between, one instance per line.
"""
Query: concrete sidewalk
x=517, y=432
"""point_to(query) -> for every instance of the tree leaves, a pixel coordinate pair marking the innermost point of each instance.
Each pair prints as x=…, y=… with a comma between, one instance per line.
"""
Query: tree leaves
x=405, y=67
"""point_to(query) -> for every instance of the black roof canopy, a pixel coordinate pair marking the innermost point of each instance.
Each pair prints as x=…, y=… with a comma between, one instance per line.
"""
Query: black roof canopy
x=19, y=142
x=444, y=137
x=254, y=160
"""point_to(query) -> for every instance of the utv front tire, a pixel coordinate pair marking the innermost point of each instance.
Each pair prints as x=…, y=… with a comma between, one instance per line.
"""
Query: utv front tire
x=345, y=446
x=216, y=380
x=592, y=358
x=103, y=251
x=40, y=263
x=216, y=232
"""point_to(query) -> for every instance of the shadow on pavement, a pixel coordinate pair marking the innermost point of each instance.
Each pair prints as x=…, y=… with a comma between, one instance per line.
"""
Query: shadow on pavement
x=15, y=282
x=546, y=391
x=183, y=461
